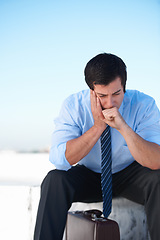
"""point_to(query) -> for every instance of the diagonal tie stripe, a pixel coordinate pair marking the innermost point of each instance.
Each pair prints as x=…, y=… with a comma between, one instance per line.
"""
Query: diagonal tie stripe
x=106, y=173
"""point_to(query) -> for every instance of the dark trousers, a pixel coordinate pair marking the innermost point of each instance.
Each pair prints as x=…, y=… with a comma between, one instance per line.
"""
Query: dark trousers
x=79, y=184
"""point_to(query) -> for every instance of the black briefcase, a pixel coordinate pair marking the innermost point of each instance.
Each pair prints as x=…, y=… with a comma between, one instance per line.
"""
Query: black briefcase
x=90, y=225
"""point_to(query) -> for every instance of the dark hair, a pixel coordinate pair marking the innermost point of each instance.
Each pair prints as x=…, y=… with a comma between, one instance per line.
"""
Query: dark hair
x=103, y=69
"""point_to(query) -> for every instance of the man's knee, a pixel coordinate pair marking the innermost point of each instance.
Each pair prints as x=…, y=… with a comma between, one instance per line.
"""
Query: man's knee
x=55, y=177
x=153, y=184
x=154, y=177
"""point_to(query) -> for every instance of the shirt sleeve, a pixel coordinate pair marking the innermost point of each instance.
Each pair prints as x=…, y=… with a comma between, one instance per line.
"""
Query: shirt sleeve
x=66, y=128
x=148, y=126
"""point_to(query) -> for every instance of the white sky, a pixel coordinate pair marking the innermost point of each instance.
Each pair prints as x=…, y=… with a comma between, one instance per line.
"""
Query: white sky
x=44, y=47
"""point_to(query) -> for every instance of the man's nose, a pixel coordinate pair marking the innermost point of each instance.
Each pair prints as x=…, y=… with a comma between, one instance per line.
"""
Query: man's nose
x=110, y=102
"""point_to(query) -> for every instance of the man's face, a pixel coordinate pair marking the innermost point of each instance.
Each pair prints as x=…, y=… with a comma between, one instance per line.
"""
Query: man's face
x=110, y=95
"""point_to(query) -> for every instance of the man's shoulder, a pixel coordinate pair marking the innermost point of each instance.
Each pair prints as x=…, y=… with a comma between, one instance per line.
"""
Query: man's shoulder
x=136, y=96
x=138, y=102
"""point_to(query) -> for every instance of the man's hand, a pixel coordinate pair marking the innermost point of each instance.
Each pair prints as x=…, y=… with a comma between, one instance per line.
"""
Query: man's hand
x=113, y=118
x=97, y=111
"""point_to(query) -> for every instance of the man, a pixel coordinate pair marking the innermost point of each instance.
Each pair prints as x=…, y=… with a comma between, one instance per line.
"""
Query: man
x=134, y=122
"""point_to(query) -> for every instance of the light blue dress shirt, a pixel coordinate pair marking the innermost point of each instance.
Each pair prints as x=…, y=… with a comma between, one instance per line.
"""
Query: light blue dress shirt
x=138, y=110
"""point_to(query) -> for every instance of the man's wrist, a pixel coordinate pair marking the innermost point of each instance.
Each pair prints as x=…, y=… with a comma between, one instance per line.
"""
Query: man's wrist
x=99, y=127
x=124, y=128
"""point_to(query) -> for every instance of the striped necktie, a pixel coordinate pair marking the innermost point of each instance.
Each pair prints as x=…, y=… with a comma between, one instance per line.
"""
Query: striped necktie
x=106, y=173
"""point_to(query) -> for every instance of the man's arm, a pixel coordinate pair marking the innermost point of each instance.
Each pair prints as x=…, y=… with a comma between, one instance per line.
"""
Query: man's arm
x=78, y=148
x=144, y=152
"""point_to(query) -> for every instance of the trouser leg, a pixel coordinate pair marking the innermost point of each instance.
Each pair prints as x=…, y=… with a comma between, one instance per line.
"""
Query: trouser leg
x=59, y=189
x=141, y=185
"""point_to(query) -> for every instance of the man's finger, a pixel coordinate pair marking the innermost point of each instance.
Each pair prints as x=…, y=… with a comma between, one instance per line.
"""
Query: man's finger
x=99, y=109
x=99, y=104
x=93, y=99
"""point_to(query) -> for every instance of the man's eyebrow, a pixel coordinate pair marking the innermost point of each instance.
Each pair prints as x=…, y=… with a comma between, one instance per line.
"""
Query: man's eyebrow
x=117, y=91
x=102, y=94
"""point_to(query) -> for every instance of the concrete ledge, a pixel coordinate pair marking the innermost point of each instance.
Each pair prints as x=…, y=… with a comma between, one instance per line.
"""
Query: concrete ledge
x=20, y=178
x=19, y=204
x=130, y=216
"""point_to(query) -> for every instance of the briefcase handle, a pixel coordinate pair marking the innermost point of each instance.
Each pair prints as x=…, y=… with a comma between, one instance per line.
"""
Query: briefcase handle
x=93, y=213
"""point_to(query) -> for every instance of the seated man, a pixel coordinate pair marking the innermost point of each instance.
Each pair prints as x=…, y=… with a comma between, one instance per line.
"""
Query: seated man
x=106, y=143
